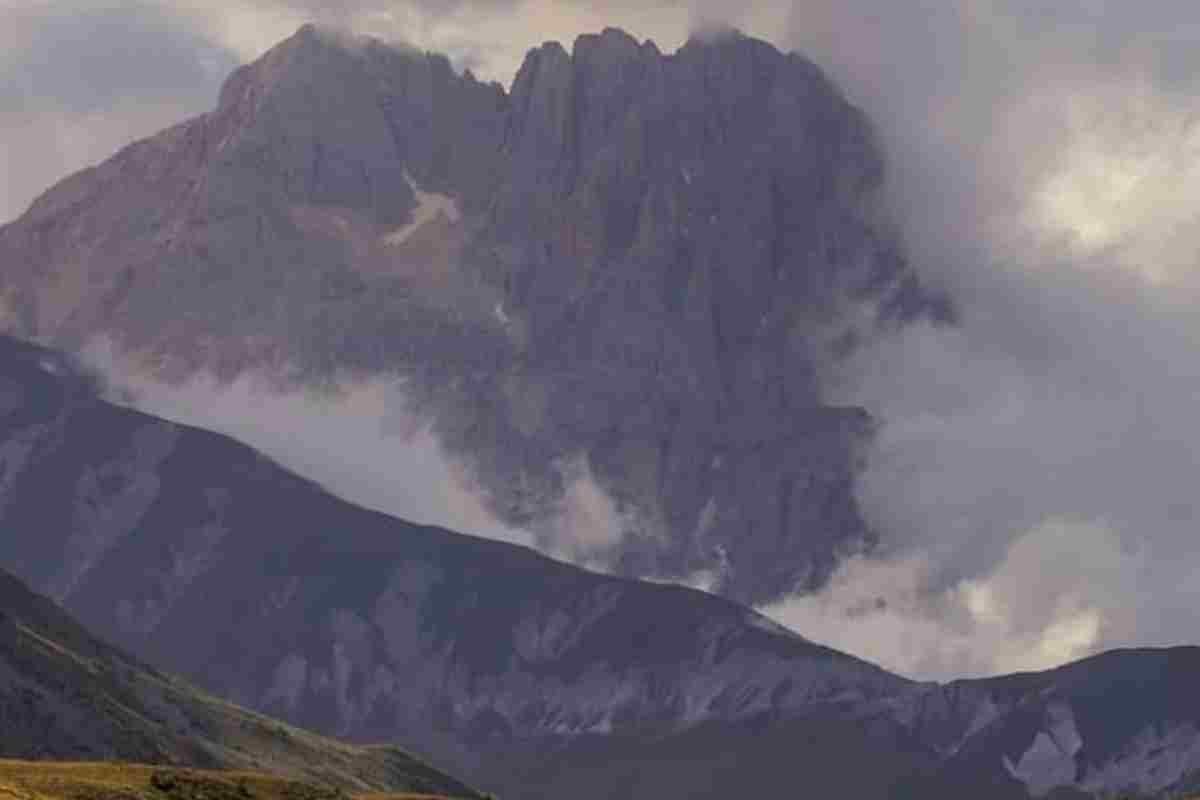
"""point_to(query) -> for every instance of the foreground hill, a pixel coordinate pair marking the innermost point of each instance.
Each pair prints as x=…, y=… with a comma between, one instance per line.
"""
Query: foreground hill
x=635, y=265
x=66, y=695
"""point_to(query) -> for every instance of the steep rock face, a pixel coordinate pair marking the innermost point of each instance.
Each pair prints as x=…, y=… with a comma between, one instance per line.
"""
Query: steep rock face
x=632, y=266
x=66, y=695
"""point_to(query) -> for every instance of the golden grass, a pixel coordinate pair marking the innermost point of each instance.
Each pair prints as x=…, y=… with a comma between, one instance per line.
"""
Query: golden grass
x=58, y=780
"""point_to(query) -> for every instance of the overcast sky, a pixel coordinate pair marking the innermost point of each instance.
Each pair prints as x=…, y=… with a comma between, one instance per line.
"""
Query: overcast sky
x=1036, y=477
x=79, y=78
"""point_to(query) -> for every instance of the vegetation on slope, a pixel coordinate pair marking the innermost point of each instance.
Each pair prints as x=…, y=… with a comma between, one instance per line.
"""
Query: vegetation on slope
x=66, y=695
x=55, y=780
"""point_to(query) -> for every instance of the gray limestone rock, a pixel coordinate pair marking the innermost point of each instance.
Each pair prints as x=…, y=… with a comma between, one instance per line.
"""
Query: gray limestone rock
x=632, y=263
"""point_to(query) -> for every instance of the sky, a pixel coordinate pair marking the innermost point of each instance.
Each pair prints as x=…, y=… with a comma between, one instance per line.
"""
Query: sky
x=1034, y=480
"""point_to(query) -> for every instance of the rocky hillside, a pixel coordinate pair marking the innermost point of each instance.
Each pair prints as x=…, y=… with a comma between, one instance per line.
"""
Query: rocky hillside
x=524, y=675
x=66, y=695
x=633, y=265
x=1125, y=721
x=206, y=558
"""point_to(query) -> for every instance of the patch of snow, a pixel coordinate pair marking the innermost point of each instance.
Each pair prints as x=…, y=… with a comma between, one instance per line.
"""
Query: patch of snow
x=987, y=713
x=430, y=206
x=1050, y=761
x=51, y=366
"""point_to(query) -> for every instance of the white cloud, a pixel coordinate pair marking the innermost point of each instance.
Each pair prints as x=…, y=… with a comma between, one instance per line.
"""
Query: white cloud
x=1033, y=482
x=1045, y=602
x=359, y=440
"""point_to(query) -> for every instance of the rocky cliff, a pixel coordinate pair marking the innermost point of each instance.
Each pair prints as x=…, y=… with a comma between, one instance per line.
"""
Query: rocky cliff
x=633, y=265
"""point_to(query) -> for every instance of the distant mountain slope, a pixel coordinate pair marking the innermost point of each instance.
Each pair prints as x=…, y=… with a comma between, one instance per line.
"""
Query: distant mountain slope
x=206, y=558
x=524, y=675
x=66, y=695
x=1121, y=724
x=635, y=264
x=1127, y=720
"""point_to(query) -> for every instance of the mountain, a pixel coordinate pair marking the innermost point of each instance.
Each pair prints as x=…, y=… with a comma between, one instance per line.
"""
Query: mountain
x=204, y=557
x=524, y=675
x=633, y=266
x=66, y=695
x=1123, y=721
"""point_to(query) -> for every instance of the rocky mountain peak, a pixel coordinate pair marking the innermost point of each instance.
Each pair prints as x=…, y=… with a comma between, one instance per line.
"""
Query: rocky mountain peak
x=629, y=268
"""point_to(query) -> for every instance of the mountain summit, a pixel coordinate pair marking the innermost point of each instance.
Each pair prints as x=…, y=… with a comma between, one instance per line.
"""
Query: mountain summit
x=633, y=267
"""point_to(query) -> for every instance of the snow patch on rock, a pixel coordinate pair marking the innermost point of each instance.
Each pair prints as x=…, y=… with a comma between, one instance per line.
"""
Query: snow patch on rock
x=1050, y=761
x=430, y=206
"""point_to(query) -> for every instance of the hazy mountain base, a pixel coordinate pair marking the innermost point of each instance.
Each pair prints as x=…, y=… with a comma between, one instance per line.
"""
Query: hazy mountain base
x=634, y=260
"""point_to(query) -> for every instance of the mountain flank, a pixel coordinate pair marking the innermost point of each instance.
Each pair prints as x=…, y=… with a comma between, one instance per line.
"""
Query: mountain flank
x=528, y=677
x=207, y=559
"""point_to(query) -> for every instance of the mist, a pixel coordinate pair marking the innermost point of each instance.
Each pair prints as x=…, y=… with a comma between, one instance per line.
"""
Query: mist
x=1033, y=482
x=362, y=440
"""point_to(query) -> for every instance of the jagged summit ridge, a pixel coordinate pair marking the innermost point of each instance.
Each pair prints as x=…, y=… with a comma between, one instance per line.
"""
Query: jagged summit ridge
x=629, y=266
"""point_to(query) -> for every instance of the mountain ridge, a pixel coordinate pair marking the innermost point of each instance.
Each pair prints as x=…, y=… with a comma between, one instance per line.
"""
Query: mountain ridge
x=526, y=676
x=205, y=557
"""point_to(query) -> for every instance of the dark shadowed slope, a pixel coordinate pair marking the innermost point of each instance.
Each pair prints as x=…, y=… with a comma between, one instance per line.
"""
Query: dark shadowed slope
x=1127, y=720
x=520, y=673
x=66, y=695
x=206, y=558
x=635, y=263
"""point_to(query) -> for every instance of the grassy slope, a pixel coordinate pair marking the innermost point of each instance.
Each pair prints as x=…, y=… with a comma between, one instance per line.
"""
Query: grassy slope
x=53, y=780
x=65, y=695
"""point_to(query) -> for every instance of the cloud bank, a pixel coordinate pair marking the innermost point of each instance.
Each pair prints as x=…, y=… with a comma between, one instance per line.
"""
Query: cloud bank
x=1034, y=480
